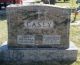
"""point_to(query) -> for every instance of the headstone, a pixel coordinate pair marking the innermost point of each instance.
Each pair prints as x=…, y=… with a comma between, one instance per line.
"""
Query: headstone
x=36, y=25
x=37, y=32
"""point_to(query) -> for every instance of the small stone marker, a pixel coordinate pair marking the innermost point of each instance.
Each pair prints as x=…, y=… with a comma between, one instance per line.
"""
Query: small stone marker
x=38, y=25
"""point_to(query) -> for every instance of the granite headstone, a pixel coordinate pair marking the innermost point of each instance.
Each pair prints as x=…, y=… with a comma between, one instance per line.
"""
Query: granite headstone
x=38, y=25
x=37, y=32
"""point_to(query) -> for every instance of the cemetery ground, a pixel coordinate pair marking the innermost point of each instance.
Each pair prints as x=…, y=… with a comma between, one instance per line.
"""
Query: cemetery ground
x=74, y=36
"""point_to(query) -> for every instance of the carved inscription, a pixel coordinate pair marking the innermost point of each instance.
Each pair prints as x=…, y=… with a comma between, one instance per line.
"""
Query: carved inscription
x=25, y=39
x=38, y=24
x=44, y=39
x=51, y=39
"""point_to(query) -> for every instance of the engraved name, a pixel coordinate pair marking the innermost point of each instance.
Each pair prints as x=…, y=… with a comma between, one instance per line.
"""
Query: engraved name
x=39, y=24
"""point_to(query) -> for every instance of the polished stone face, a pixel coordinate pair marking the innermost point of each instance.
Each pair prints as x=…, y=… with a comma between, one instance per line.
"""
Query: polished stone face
x=38, y=25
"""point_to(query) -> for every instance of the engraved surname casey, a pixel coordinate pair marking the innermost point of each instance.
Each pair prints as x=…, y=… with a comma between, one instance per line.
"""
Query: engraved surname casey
x=38, y=24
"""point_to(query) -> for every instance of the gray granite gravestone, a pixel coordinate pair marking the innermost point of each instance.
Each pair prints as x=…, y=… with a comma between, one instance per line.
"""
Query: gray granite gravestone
x=36, y=25
x=38, y=32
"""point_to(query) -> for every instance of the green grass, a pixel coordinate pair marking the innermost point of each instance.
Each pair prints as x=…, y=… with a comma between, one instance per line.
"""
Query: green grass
x=63, y=4
x=3, y=31
x=70, y=5
x=75, y=34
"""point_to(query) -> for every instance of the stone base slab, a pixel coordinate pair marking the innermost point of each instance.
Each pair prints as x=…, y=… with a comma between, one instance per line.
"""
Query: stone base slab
x=37, y=54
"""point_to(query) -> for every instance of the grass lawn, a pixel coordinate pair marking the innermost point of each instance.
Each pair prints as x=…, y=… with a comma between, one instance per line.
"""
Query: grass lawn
x=63, y=4
x=3, y=31
x=75, y=34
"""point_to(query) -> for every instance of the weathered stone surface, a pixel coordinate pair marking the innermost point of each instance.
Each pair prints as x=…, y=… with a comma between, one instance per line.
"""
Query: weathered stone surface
x=23, y=55
x=38, y=25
